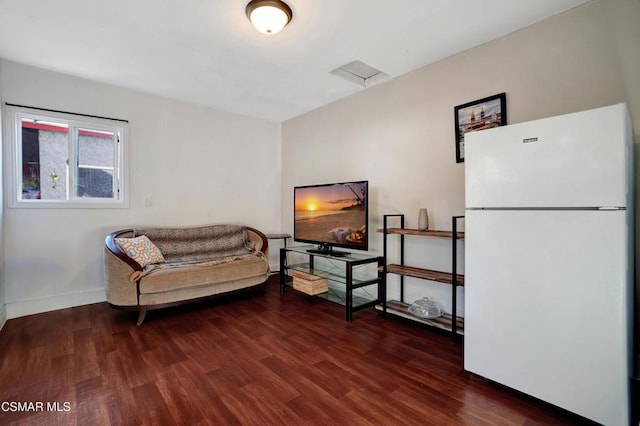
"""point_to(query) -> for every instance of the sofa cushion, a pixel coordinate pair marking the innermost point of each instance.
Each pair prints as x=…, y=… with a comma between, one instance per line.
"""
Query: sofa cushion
x=175, y=276
x=141, y=249
x=197, y=244
x=189, y=293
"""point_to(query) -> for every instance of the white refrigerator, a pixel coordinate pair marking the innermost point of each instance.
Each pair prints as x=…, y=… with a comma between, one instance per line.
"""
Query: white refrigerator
x=548, y=260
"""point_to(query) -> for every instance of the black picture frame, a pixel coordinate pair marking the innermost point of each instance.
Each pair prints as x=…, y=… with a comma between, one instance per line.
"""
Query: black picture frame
x=476, y=115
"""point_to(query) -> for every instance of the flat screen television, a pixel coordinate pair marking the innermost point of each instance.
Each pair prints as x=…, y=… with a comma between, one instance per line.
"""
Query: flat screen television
x=332, y=215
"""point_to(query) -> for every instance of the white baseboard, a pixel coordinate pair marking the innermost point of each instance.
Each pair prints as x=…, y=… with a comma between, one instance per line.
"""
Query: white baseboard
x=60, y=301
x=3, y=316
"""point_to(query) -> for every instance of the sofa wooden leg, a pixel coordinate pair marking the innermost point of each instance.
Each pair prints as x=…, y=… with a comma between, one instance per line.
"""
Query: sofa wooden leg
x=141, y=314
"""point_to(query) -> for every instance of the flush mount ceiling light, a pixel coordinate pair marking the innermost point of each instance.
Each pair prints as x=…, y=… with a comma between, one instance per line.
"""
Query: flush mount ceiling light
x=269, y=16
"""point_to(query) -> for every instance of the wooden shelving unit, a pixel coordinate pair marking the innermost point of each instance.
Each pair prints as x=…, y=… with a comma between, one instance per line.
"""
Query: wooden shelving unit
x=418, y=232
x=400, y=308
x=425, y=274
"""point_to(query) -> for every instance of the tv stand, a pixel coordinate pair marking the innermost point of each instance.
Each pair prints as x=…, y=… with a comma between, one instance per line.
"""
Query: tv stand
x=355, y=280
x=328, y=250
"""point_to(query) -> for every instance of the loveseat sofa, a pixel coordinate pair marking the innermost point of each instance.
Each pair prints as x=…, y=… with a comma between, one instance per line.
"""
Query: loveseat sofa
x=151, y=268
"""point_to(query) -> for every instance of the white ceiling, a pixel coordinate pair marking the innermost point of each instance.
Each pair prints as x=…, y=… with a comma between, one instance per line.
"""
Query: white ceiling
x=206, y=51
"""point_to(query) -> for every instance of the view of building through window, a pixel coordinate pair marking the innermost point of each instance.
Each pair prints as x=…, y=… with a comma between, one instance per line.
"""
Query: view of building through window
x=45, y=161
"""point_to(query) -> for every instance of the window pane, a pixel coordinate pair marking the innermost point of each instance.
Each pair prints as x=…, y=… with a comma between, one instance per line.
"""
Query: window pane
x=96, y=183
x=95, y=163
x=44, y=160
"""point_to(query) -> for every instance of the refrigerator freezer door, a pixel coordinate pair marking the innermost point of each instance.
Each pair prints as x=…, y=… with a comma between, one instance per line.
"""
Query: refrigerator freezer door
x=573, y=160
x=545, y=307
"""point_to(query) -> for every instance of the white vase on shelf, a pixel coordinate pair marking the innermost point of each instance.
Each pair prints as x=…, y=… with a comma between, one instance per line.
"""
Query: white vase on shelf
x=423, y=220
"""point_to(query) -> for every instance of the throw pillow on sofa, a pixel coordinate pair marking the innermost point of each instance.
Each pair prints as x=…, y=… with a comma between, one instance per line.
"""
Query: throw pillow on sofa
x=141, y=249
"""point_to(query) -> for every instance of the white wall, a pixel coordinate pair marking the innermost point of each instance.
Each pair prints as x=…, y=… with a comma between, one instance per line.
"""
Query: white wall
x=400, y=135
x=198, y=165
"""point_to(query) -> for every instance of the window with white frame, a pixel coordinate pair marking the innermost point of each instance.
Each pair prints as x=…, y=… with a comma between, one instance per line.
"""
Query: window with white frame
x=63, y=159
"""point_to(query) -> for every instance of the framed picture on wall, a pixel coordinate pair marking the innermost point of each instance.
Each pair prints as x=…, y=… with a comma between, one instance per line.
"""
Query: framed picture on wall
x=477, y=115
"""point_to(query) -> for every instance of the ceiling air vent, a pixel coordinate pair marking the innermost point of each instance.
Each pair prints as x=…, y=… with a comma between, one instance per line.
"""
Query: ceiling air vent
x=360, y=73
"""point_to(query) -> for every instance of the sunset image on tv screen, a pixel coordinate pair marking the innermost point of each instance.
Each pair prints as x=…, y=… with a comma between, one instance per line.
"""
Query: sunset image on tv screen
x=334, y=214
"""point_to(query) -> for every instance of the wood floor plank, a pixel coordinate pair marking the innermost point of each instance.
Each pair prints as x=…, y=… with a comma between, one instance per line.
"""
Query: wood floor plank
x=151, y=406
x=204, y=396
x=267, y=405
x=314, y=412
x=250, y=359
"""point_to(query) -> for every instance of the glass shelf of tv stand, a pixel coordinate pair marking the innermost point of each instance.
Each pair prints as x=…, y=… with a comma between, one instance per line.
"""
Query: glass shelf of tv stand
x=363, y=285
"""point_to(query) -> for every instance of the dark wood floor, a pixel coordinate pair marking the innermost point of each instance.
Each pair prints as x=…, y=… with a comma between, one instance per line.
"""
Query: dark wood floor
x=252, y=360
